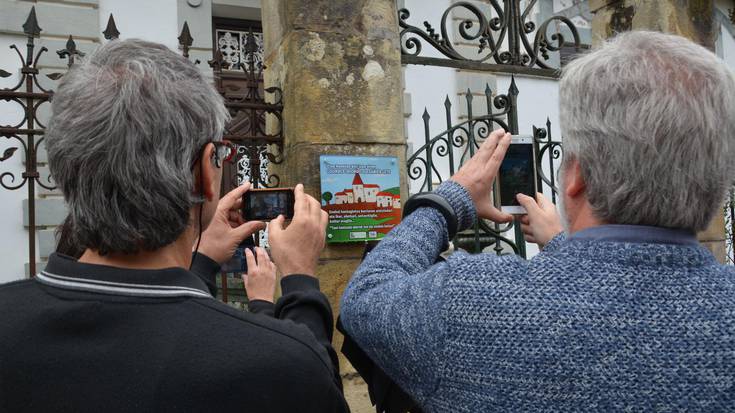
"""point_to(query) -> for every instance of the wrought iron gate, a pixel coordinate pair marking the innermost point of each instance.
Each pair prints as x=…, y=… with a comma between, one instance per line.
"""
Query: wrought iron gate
x=256, y=146
x=459, y=141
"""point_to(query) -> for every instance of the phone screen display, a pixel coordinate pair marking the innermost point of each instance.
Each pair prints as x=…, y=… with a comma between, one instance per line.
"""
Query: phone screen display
x=268, y=204
x=516, y=174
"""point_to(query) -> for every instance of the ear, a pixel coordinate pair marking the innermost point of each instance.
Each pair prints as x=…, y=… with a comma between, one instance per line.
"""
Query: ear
x=573, y=179
x=209, y=174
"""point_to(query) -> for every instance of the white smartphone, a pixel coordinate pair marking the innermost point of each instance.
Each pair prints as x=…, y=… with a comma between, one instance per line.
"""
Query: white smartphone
x=517, y=174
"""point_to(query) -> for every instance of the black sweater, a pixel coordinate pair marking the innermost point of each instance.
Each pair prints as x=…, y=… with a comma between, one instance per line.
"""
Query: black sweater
x=90, y=338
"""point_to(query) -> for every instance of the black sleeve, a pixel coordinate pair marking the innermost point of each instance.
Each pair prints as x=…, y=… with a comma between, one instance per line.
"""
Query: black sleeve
x=303, y=303
x=206, y=269
x=263, y=307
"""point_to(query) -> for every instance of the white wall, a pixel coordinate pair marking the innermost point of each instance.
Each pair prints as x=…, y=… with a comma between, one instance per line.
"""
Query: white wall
x=155, y=21
x=728, y=47
x=13, y=236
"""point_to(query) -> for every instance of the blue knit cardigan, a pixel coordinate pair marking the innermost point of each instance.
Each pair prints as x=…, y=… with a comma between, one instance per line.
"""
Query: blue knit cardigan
x=587, y=325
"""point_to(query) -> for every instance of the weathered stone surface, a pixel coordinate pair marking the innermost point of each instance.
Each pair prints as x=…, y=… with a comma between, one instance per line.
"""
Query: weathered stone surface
x=338, y=88
x=715, y=231
x=333, y=276
x=356, y=393
x=718, y=248
x=338, y=63
x=689, y=18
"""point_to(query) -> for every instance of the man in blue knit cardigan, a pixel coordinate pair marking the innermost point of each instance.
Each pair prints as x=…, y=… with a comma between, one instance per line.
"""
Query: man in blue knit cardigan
x=622, y=310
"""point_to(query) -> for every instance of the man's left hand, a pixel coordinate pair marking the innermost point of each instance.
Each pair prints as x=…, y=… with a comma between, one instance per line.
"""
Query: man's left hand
x=227, y=228
x=477, y=175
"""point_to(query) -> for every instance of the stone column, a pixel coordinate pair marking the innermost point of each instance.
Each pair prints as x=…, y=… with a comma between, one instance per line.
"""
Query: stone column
x=338, y=63
x=688, y=18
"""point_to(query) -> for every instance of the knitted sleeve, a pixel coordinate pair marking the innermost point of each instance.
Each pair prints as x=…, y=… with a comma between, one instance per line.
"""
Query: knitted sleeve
x=392, y=307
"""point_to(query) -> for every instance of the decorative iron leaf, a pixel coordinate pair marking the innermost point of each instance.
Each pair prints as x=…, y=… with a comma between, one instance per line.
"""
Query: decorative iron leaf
x=4, y=73
x=8, y=153
x=55, y=76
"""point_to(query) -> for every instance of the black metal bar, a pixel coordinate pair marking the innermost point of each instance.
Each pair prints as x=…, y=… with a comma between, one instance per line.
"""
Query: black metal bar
x=429, y=163
x=482, y=67
x=450, y=135
x=552, y=175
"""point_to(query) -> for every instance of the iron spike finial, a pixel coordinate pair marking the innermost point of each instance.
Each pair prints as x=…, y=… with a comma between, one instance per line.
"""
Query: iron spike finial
x=488, y=91
x=425, y=116
x=70, y=51
x=447, y=102
x=251, y=46
x=185, y=39
x=468, y=95
x=30, y=27
x=218, y=62
x=513, y=90
x=111, y=31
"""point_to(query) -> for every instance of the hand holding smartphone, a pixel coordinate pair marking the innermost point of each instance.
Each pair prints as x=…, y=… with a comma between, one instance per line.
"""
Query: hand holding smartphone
x=267, y=204
x=517, y=174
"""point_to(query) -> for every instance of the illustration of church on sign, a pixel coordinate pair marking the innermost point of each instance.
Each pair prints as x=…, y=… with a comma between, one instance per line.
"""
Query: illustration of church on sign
x=367, y=193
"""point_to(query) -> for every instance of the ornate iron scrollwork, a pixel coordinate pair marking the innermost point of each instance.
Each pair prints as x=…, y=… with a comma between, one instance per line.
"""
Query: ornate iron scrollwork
x=506, y=25
x=249, y=109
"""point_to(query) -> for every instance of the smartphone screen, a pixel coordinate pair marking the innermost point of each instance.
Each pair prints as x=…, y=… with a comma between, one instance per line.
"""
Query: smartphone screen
x=267, y=204
x=517, y=173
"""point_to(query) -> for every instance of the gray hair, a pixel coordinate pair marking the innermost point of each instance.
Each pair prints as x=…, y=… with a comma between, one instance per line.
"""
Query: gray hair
x=650, y=117
x=127, y=124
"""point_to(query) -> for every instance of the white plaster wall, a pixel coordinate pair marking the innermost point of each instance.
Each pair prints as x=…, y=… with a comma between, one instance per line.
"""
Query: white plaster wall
x=428, y=85
x=728, y=47
x=13, y=236
x=152, y=20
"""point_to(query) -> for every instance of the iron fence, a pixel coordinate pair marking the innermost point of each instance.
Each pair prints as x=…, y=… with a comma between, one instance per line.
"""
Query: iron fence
x=500, y=36
x=256, y=146
x=459, y=142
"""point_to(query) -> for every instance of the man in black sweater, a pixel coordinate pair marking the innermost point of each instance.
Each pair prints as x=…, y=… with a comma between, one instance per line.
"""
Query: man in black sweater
x=133, y=144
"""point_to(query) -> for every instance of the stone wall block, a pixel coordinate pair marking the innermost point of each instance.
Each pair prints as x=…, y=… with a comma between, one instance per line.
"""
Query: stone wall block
x=49, y=211
x=377, y=19
x=57, y=20
x=715, y=231
x=688, y=18
x=345, y=84
x=46, y=242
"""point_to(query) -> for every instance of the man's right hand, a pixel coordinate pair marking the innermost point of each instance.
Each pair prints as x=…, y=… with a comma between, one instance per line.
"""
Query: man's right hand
x=542, y=221
x=295, y=249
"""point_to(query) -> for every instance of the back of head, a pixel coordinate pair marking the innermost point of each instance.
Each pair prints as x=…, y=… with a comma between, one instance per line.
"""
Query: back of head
x=651, y=119
x=127, y=124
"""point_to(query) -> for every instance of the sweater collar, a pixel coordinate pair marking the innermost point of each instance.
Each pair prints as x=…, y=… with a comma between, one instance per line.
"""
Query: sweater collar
x=636, y=234
x=67, y=273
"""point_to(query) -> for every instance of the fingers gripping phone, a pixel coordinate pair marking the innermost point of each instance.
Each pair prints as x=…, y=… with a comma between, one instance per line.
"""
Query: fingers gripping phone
x=517, y=174
x=267, y=204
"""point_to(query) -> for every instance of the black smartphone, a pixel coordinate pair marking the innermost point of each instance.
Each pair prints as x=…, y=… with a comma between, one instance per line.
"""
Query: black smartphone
x=517, y=174
x=267, y=204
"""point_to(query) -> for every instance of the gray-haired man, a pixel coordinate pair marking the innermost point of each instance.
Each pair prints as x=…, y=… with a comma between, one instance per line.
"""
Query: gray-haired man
x=134, y=144
x=626, y=312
